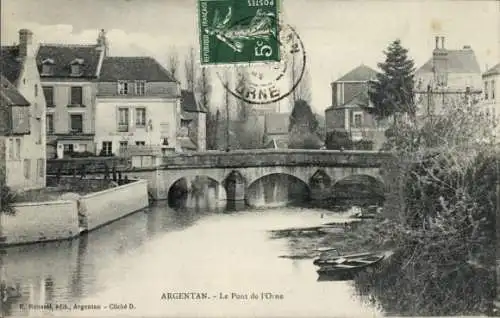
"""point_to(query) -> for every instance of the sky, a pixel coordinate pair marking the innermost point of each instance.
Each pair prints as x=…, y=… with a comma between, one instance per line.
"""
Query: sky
x=337, y=35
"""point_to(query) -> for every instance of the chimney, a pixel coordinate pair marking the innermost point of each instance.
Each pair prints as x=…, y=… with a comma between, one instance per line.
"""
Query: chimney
x=442, y=42
x=437, y=42
x=25, y=43
x=102, y=42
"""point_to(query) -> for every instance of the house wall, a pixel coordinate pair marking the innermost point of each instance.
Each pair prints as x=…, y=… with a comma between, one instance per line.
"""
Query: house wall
x=492, y=104
x=334, y=119
x=40, y=221
x=161, y=111
x=62, y=112
x=157, y=89
x=106, y=206
x=201, y=140
x=33, y=145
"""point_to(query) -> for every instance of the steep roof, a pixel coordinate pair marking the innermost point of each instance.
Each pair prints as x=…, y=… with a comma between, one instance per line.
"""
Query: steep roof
x=63, y=55
x=10, y=65
x=277, y=123
x=359, y=100
x=189, y=104
x=9, y=95
x=360, y=73
x=187, y=143
x=495, y=70
x=115, y=68
x=459, y=61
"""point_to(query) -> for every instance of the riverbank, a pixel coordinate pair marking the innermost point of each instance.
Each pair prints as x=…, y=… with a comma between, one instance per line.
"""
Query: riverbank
x=69, y=216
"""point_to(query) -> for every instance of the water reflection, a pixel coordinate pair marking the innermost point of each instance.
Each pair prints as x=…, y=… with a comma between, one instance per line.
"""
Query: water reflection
x=162, y=249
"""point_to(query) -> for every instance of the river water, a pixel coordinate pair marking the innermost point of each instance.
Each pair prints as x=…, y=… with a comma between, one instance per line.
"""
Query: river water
x=135, y=261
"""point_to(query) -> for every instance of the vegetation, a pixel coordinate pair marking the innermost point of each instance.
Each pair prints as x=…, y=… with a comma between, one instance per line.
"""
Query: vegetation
x=338, y=140
x=303, y=128
x=392, y=91
x=441, y=209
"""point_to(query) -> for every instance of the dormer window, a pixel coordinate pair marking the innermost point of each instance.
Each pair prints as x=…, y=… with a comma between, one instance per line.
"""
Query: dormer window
x=122, y=88
x=76, y=67
x=47, y=66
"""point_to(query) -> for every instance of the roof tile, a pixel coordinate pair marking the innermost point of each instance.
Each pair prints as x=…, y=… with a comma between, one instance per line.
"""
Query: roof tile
x=9, y=95
x=459, y=61
x=63, y=55
x=189, y=104
x=360, y=73
x=10, y=65
x=495, y=70
x=115, y=68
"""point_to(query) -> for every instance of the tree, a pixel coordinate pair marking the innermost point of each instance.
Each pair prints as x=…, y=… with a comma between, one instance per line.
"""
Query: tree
x=190, y=70
x=173, y=62
x=303, y=90
x=204, y=93
x=392, y=91
x=303, y=127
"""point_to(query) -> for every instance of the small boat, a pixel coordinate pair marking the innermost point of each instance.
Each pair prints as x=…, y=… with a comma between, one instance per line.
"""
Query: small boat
x=336, y=267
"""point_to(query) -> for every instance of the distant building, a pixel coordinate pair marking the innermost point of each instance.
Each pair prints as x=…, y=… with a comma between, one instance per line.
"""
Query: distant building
x=22, y=116
x=448, y=75
x=138, y=104
x=276, y=130
x=193, y=131
x=349, y=103
x=491, y=92
x=69, y=76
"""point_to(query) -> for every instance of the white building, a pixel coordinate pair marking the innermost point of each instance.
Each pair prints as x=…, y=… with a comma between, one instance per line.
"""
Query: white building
x=138, y=104
x=491, y=93
x=24, y=141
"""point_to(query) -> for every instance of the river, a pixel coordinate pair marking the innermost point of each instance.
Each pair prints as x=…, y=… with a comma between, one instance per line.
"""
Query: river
x=135, y=261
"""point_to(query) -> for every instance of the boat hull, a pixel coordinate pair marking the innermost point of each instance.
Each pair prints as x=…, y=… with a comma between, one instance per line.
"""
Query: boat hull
x=334, y=272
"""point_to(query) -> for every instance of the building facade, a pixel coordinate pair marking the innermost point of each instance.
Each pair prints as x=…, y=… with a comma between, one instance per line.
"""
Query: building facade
x=137, y=104
x=491, y=91
x=193, y=131
x=23, y=104
x=348, y=113
x=449, y=76
x=69, y=76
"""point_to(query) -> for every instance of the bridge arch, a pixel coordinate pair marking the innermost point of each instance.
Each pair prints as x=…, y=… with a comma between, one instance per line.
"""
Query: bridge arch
x=367, y=183
x=282, y=187
x=194, y=188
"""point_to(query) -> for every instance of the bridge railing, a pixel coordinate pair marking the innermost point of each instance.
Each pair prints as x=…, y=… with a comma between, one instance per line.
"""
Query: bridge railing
x=273, y=157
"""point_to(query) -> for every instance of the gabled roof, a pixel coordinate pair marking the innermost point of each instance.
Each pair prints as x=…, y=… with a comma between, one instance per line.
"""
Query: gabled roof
x=189, y=104
x=277, y=123
x=10, y=65
x=360, y=73
x=145, y=68
x=63, y=55
x=359, y=100
x=459, y=61
x=9, y=95
x=495, y=70
x=187, y=143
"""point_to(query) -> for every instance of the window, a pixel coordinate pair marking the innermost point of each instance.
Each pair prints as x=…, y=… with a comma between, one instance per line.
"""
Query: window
x=358, y=120
x=77, y=123
x=140, y=143
x=36, y=90
x=485, y=90
x=48, y=92
x=122, y=88
x=493, y=89
x=12, y=154
x=76, y=95
x=123, y=145
x=41, y=167
x=140, y=117
x=140, y=87
x=107, y=148
x=18, y=148
x=75, y=69
x=68, y=149
x=27, y=168
x=46, y=69
x=49, y=123
x=123, y=119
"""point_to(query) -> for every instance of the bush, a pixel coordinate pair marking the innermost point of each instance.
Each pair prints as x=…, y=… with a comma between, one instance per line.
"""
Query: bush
x=8, y=198
x=442, y=205
x=83, y=154
x=363, y=144
x=337, y=140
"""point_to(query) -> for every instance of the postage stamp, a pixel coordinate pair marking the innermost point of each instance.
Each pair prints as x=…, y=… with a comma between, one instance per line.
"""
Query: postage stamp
x=236, y=31
x=271, y=82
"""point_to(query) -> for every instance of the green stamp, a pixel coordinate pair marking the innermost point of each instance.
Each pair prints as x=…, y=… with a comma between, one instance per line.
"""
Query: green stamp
x=238, y=31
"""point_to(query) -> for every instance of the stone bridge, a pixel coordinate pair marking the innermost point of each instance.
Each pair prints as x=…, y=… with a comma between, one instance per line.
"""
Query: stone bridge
x=237, y=170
